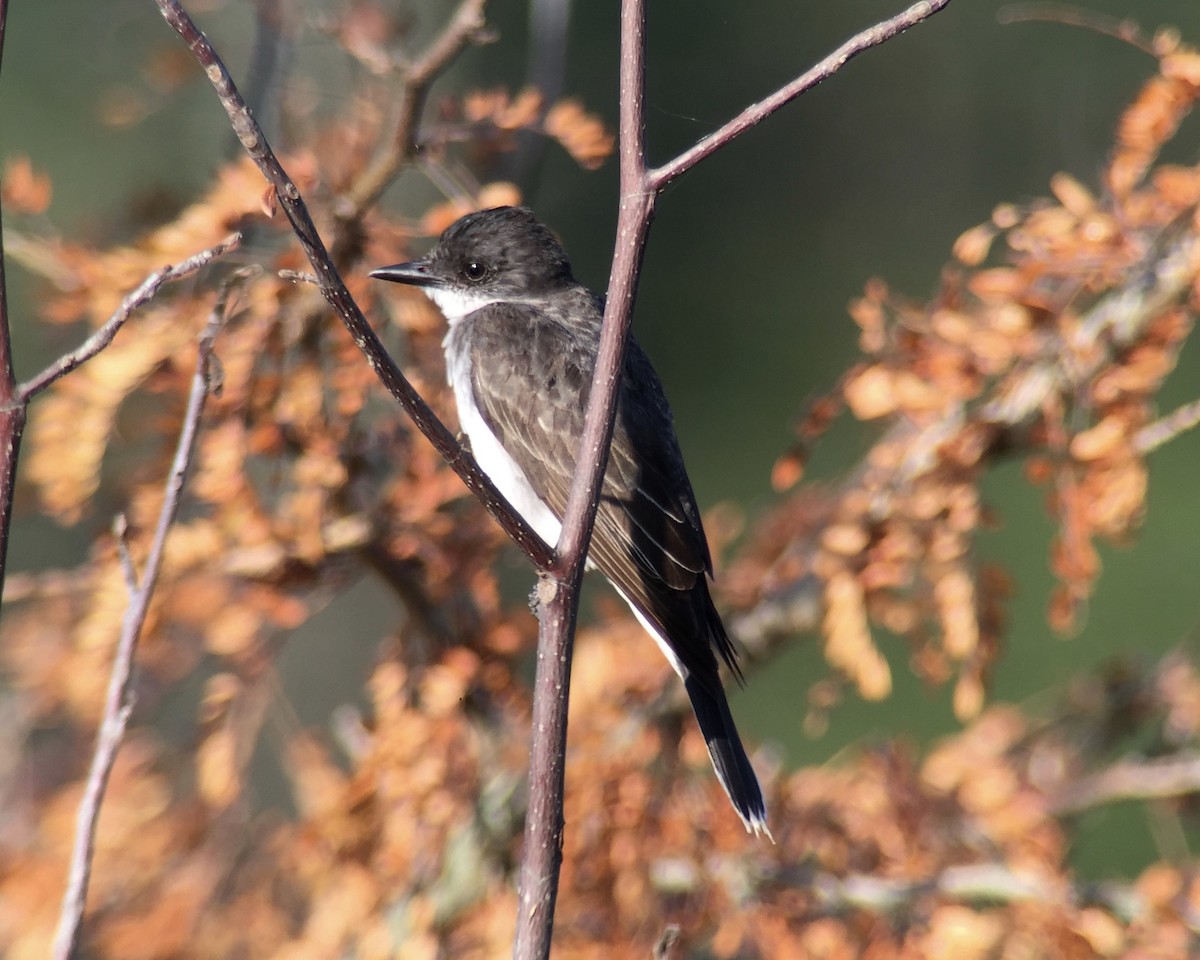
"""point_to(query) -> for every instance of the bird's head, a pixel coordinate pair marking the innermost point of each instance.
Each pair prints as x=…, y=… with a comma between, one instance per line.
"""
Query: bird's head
x=497, y=255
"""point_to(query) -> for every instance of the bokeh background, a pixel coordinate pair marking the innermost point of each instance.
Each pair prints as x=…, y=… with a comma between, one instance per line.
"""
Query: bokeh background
x=752, y=260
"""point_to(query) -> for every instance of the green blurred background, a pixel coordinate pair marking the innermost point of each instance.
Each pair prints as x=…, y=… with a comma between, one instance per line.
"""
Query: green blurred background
x=752, y=260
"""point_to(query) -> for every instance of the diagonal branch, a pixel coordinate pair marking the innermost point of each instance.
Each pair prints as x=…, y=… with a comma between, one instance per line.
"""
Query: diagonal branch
x=754, y=114
x=1162, y=431
x=105, y=334
x=120, y=698
x=333, y=289
x=465, y=27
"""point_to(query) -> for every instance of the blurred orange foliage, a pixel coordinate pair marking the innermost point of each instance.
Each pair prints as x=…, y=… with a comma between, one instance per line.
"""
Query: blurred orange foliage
x=1048, y=342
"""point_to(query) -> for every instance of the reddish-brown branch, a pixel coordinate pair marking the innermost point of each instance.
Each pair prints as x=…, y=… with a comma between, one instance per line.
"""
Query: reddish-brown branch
x=120, y=697
x=12, y=414
x=538, y=888
x=639, y=189
x=333, y=289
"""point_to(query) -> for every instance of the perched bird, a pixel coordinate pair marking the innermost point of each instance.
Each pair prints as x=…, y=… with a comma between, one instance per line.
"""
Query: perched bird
x=520, y=352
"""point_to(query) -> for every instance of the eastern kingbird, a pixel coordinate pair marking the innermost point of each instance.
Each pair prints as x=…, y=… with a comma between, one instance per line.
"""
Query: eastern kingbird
x=520, y=351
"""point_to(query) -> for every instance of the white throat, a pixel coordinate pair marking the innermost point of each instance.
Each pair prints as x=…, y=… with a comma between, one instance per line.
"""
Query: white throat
x=457, y=303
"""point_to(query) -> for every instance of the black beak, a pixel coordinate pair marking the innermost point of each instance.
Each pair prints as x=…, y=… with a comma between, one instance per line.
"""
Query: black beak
x=415, y=272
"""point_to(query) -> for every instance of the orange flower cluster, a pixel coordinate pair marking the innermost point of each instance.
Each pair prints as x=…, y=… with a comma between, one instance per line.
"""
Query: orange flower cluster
x=231, y=829
x=1055, y=355
x=488, y=119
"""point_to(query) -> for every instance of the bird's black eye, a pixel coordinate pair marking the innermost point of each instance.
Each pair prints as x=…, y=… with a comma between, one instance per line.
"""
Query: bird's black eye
x=475, y=271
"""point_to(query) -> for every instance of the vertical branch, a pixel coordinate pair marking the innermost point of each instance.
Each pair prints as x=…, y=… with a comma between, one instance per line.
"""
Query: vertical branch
x=120, y=698
x=12, y=421
x=12, y=411
x=542, y=857
x=560, y=598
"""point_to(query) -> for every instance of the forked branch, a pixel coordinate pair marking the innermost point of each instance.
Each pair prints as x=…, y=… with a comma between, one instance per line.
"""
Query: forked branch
x=639, y=188
x=333, y=288
x=118, y=704
x=561, y=569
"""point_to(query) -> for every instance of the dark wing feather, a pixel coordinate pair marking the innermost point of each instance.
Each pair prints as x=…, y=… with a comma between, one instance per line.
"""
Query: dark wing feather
x=648, y=537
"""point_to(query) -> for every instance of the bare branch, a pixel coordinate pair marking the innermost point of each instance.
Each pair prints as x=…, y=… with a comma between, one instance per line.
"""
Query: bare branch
x=1164, y=430
x=538, y=886
x=3, y=22
x=871, y=37
x=105, y=334
x=12, y=414
x=1164, y=777
x=467, y=26
x=333, y=289
x=638, y=190
x=7, y=380
x=1125, y=30
x=983, y=884
x=977, y=882
x=120, y=529
x=665, y=944
x=120, y=698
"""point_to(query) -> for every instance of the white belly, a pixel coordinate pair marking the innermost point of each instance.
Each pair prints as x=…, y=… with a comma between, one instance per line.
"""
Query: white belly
x=504, y=472
x=510, y=479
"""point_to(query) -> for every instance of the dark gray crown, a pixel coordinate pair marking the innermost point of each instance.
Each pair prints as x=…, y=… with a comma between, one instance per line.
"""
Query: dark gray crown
x=515, y=251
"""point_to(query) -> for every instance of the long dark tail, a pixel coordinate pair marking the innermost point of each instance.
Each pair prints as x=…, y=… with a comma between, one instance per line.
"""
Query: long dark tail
x=728, y=755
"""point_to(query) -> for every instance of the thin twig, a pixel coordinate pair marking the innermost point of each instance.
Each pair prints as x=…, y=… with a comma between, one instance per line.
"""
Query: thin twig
x=970, y=883
x=105, y=334
x=977, y=884
x=3, y=23
x=1165, y=429
x=1160, y=778
x=665, y=943
x=7, y=379
x=659, y=177
x=120, y=698
x=299, y=276
x=465, y=27
x=333, y=289
x=1123, y=29
x=120, y=529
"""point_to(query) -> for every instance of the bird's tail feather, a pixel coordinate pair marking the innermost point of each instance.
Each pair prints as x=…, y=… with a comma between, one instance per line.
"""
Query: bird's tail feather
x=728, y=755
